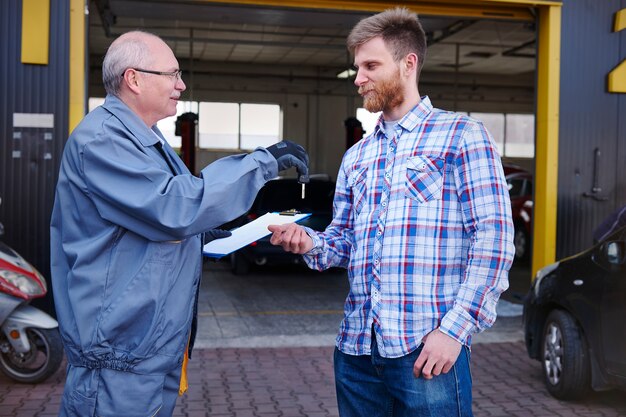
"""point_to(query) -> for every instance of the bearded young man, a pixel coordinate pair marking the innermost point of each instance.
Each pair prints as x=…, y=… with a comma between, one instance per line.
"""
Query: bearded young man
x=422, y=222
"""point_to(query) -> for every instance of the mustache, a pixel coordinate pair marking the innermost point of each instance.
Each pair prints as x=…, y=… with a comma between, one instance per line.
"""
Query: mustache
x=363, y=90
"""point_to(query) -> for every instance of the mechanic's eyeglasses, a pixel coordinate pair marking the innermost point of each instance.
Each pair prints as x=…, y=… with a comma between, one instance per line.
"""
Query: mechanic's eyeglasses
x=174, y=75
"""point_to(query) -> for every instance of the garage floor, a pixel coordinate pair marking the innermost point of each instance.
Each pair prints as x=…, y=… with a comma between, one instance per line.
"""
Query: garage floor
x=265, y=350
x=294, y=306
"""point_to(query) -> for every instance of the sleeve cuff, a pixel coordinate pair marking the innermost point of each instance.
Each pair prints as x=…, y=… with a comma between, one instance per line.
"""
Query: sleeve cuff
x=457, y=324
x=317, y=241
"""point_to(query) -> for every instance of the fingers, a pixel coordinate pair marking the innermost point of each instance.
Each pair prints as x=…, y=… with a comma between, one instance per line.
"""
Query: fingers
x=219, y=233
x=301, y=168
x=419, y=364
x=291, y=237
x=277, y=233
x=438, y=355
x=275, y=227
x=429, y=365
x=300, y=163
x=289, y=154
x=215, y=234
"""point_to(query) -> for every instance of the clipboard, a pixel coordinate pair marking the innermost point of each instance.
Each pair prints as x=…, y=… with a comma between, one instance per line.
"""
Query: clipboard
x=248, y=233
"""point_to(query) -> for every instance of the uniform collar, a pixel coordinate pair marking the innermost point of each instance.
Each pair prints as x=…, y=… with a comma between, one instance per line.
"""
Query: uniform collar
x=131, y=120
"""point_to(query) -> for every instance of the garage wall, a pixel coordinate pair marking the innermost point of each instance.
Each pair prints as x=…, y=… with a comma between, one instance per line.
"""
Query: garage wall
x=591, y=122
x=315, y=103
x=31, y=145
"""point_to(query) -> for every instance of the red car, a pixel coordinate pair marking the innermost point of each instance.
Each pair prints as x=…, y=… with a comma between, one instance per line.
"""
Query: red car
x=520, y=184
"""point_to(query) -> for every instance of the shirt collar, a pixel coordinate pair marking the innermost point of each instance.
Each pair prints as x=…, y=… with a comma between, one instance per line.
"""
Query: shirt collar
x=410, y=120
x=145, y=135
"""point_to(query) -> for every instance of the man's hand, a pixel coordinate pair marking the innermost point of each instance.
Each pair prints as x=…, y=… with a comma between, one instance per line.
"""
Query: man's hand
x=438, y=355
x=215, y=234
x=289, y=154
x=291, y=237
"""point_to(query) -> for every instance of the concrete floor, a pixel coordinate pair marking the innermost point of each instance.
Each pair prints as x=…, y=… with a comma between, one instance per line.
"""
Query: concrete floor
x=265, y=350
x=294, y=306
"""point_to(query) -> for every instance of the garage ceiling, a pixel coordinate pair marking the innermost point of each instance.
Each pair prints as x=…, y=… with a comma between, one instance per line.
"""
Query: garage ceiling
x=202, y=32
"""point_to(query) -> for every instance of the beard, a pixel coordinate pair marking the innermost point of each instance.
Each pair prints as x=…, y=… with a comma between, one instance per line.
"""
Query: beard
x=384, y=96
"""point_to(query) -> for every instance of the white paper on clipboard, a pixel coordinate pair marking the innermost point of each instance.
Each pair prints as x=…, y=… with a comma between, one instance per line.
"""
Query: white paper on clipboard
x=248, y=233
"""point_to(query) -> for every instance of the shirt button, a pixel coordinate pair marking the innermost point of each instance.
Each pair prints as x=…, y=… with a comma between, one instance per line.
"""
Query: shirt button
x=376, y=262
x=384, y=204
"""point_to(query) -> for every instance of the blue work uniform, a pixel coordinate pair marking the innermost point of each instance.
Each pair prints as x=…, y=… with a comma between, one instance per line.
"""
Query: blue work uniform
x=126, y=241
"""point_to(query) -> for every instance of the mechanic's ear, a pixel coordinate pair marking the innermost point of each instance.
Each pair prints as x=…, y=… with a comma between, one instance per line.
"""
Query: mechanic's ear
x=131, y=80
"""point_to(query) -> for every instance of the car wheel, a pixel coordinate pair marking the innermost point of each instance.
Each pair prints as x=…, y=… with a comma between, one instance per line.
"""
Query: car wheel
x=565, y=358
x=521, y=241
x=239, y=264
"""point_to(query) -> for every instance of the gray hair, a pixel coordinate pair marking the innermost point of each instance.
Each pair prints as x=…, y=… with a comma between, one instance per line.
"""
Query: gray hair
x=128, y=51
x=399, y=28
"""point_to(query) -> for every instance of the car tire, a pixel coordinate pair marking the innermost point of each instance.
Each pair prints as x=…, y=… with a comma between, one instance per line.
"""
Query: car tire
x=521, y=241
x=564, y=357
x=239, y=264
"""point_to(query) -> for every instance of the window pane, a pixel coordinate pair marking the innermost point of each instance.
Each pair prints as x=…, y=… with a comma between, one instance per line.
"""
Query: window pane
x=95, y=102
x=367, y=119
x=494, y=122
x=520, y=135
x=167, y=126
x=218, y=125
x=260, y=125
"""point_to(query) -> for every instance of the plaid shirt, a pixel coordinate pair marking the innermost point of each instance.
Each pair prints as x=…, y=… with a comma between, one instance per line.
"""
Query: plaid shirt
x=422, y=221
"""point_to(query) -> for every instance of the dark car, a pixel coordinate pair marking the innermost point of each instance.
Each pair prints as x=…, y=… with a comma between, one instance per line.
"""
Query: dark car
x=574, y=320
x=283, y=194
x=520, y=184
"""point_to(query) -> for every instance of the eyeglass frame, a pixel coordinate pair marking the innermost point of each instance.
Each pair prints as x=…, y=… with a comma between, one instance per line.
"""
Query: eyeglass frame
x=177, y=74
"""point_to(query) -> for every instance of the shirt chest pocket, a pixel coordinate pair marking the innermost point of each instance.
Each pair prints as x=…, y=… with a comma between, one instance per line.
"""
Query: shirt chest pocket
x=357, y=185
x=424, y=178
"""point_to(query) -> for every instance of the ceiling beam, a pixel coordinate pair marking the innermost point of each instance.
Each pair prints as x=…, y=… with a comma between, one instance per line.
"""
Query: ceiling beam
x=493, y=9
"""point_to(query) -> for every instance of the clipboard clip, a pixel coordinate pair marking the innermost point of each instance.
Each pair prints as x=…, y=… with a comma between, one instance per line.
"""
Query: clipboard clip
x=290, y=212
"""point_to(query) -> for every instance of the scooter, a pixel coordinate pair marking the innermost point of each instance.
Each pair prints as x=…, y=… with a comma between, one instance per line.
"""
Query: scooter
x=30, y=344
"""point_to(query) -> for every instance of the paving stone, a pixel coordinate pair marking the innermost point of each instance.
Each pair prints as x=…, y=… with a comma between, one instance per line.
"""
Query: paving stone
x=298, y=382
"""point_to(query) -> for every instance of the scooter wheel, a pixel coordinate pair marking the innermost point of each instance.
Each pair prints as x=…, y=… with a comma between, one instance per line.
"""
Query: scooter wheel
x=41, y=361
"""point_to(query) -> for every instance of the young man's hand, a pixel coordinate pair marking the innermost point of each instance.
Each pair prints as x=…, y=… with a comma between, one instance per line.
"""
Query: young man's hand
x=438, y=355
x=291, y=237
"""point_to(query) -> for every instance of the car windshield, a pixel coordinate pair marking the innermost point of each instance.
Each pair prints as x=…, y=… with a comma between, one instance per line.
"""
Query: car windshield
x=516, y=186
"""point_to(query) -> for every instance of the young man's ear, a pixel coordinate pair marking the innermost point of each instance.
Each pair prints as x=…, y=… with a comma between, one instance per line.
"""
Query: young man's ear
x=410, y=63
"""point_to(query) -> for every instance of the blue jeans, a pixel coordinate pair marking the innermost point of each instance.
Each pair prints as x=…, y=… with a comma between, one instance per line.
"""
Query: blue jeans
x=373, y=386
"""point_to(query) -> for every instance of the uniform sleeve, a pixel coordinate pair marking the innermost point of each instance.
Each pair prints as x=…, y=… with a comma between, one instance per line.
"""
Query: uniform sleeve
x=486, y=210
x=129, y=188
x=332, y=247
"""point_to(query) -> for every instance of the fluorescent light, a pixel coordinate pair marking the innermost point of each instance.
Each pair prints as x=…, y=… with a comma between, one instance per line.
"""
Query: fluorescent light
x=347, y=73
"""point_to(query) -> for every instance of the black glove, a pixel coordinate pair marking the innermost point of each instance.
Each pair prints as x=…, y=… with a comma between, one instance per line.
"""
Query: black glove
x=289, y=154
x=214, y=234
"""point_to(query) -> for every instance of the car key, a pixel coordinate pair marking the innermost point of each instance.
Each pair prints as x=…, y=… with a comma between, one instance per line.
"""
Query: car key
x=303, y=179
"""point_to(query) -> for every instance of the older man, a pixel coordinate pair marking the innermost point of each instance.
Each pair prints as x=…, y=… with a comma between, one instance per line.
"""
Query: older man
x=126, y=235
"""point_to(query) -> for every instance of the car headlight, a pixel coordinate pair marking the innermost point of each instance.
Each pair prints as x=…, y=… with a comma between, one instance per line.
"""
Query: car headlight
x=541, y=274
x=24, y=283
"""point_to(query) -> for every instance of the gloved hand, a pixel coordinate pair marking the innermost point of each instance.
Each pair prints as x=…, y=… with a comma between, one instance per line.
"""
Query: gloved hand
x=214, y=234
x=289, y=154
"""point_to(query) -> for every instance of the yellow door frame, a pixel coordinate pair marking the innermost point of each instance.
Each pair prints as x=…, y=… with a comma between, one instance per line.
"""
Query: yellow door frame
x=548, y=80
x=77, y=68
